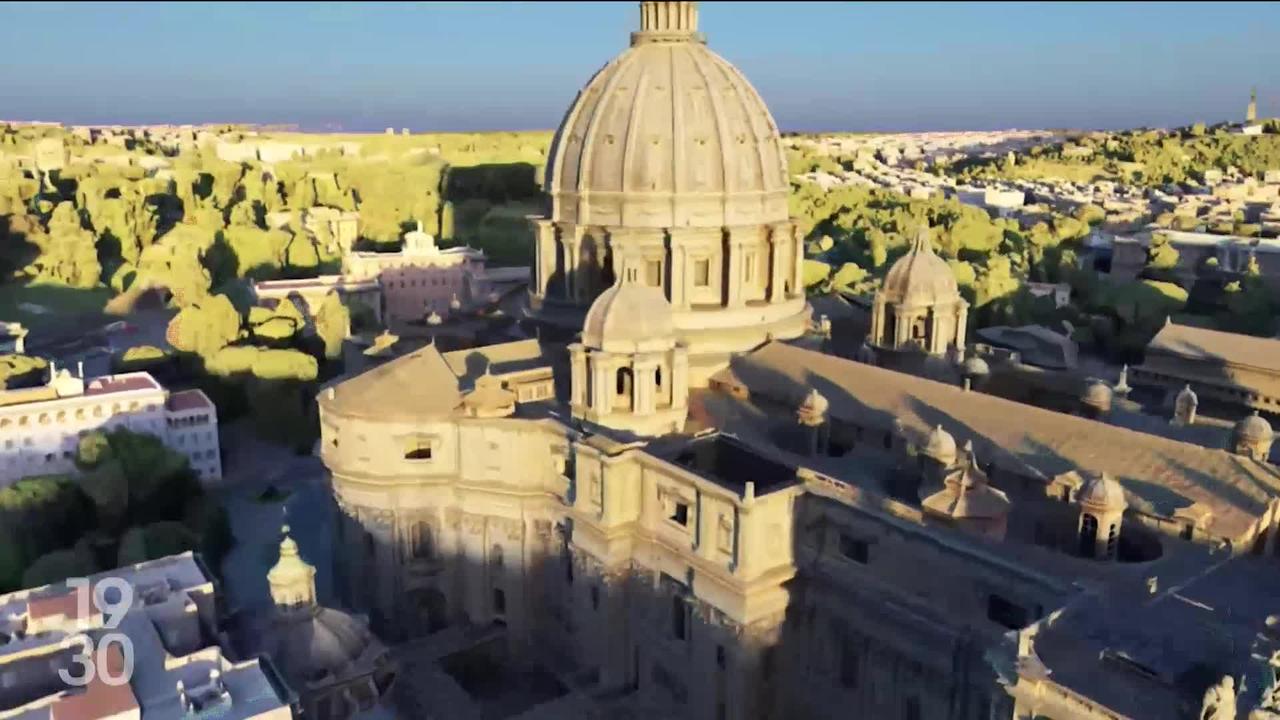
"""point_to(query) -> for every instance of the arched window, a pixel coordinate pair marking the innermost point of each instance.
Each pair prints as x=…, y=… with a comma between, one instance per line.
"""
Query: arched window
x=1088, y=536
x=917, y=329
x=657, y=377
x=624, y=379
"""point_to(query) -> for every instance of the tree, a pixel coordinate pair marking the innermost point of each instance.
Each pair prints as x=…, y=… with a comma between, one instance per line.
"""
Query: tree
x=333, y=324
x=157, y=540
x=447, y=230
x=20, y=370
x=206, y=327
x=58, y=565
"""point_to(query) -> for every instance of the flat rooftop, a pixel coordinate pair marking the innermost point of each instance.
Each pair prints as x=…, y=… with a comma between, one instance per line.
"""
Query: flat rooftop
x=188, y=400
x=731, y=464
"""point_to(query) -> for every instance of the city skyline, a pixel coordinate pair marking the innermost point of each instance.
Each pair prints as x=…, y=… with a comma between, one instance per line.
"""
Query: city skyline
x=492, y=66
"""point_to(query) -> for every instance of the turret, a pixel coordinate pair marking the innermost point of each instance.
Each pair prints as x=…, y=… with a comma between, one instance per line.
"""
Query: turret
x=1251, y=437
x=1102, y=505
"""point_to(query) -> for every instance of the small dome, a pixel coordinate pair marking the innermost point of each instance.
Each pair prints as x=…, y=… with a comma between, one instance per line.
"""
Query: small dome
x=1102, y=492
x=434, y=319
x=318, y=645
x=1097, y=394
x=489, y=398
x=941, y=446
x=455, y=303
x=1253, y=428
x=975, y=366
x=629, y=317
x=921, y=278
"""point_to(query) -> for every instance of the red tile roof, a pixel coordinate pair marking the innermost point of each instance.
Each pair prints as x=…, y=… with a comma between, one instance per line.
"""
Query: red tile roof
x=120, y=383
x=188, y=400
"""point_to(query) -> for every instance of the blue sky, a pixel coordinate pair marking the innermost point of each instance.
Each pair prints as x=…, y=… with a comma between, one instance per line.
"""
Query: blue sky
x=484, y=66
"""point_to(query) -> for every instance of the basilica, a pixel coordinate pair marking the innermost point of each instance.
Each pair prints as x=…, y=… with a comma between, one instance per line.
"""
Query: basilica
x=677, y=502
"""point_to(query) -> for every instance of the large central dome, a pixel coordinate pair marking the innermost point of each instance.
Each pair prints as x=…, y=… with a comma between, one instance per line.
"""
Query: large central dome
x=669, y=157
x=668, y=134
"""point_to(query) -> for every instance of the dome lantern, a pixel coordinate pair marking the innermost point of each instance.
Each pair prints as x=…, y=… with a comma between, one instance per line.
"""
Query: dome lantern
x=668, y=22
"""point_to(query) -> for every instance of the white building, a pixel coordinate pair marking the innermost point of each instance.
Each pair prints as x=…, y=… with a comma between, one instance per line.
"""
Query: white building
x=174, y=666
x=41, y=426
x=420, y=278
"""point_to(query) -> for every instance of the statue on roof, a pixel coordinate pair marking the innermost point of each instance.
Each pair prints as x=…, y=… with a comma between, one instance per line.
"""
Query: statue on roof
x=1219, y=701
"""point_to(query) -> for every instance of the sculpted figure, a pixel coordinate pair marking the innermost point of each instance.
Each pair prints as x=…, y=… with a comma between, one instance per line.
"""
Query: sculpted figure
x=1219, y=701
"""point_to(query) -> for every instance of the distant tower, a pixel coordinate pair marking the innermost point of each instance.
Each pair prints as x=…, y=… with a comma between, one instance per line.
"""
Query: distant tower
x=1251, y=114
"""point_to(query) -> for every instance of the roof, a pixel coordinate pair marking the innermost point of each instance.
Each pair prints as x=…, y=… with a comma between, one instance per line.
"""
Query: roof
x=1215, y=346
x=416, y=385
x=499, y=359
x=1166, y=475
x=184, y=400
x=121, y=383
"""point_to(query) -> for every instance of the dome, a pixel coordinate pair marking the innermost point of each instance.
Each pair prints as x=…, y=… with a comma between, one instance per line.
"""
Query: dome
x=920, y=278
x=941, y=446
x=668, y=134
x=1254, y=428
x=1097, y=394
x=1102, y=492
x=629, y=317
x=317, y=645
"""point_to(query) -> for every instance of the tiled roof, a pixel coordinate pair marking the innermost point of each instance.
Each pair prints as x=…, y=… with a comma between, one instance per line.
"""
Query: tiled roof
x=1164, y=474
x=1215, y=346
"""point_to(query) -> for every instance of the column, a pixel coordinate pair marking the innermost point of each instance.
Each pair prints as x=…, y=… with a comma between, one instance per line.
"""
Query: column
x=578, y=375
x=775, y=265
x=605, y=378
x=646, y=381
x=678, y=257
x=733, y=293
x=797, y=264
x=680, y=376
x=877, y=320
x=546, y=254
x=962, y=319
x=572, y=257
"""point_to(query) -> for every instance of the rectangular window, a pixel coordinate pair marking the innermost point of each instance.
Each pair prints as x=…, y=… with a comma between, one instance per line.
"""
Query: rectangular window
x=680, y=514
x=499, y=602
x=855, y=550
x=417, y=448
x=720, y=657
x=595, y=597
x=653, y=273
x=701, y=273
x=1000, y=610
